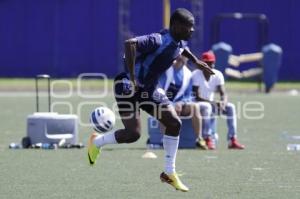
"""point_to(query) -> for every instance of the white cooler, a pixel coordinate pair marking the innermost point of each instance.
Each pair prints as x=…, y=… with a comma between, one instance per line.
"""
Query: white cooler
x=50, y=127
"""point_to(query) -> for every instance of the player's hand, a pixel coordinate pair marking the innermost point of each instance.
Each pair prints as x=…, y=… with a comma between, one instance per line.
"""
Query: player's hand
x=135, y=86
x=205, y=68
x=221, y=107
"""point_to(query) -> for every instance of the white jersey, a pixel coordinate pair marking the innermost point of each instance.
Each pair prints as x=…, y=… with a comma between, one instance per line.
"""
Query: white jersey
x=207, y=88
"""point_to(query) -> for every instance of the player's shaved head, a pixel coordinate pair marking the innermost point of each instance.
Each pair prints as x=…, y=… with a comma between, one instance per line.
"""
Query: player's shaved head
x=181, y=24
x=182, y=15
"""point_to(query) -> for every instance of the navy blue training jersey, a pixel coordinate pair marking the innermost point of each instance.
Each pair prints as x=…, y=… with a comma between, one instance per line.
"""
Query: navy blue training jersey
x=156, y=53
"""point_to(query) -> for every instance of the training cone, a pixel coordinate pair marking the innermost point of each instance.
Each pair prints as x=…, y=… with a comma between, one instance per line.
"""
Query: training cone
x=149, y=154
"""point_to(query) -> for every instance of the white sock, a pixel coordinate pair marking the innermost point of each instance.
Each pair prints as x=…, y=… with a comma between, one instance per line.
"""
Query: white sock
x=106, y=138
x=170, y=145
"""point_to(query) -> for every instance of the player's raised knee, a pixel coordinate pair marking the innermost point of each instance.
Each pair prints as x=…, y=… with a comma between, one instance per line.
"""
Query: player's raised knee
x=173, y=127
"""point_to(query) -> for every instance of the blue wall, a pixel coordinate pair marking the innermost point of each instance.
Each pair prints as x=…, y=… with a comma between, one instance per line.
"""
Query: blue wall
x=60, y=37
x=67, y=37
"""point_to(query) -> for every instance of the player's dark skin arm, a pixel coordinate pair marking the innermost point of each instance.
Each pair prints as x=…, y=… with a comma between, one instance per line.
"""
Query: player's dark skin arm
x=220, y=89
x=198, y=97
x=199, y=64
x=223, y=96
x=130, y=53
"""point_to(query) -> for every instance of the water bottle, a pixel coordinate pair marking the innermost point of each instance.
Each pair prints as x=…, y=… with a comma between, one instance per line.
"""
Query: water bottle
x=293, y=147
x=61, y=143
x=53, y=146
x=155, y=146
x=46, y=146
x=78, y=146
x=15, y=146
x=36, y=145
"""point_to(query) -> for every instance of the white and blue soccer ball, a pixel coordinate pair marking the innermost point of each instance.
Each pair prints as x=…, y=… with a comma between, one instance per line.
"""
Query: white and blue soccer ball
x=102, y=119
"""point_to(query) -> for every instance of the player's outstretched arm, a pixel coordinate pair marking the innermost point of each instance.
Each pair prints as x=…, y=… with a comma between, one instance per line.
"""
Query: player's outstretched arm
x=200, y=64
x=130, y=53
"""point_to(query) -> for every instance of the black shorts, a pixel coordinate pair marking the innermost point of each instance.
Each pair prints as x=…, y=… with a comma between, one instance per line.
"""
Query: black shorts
x=148, y=100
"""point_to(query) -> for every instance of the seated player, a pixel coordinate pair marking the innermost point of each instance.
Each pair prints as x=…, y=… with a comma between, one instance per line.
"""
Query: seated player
x=204, y=87
x=177, y=83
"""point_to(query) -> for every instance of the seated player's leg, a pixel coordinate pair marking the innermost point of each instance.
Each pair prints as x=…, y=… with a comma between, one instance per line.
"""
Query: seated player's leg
x=207, y=129
x=193, y=110
x=230, y=113
x=213, y=129
x=206, y=111
x=231, y=120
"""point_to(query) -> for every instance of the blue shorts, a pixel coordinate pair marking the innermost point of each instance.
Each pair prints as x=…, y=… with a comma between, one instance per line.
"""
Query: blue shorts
x=148, y=100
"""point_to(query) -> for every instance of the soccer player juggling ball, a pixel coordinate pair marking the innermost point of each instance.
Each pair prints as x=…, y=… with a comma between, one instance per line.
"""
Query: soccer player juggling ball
x=146, y=58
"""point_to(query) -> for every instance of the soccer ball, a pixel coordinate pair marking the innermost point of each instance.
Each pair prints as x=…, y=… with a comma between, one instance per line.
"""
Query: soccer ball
x=102, y=119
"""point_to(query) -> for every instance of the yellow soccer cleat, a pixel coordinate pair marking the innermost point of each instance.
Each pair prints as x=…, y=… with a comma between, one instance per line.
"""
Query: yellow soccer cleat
x=201, y=144
x=93, y=150
x=173, y=180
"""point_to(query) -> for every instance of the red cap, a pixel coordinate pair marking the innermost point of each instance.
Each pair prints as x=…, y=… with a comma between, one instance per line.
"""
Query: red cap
x=208, y=57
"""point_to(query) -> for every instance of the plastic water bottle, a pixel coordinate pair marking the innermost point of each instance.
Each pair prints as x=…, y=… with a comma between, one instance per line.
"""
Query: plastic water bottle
x=61, y=143
x=53, y=146
x=15, y=146
x=36, y=146
x=155, y=146
x=293, y=147
x=78, y=146
x=46, y=146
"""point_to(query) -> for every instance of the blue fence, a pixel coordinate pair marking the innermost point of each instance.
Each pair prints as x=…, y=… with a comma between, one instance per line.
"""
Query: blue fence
x=67, y=37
